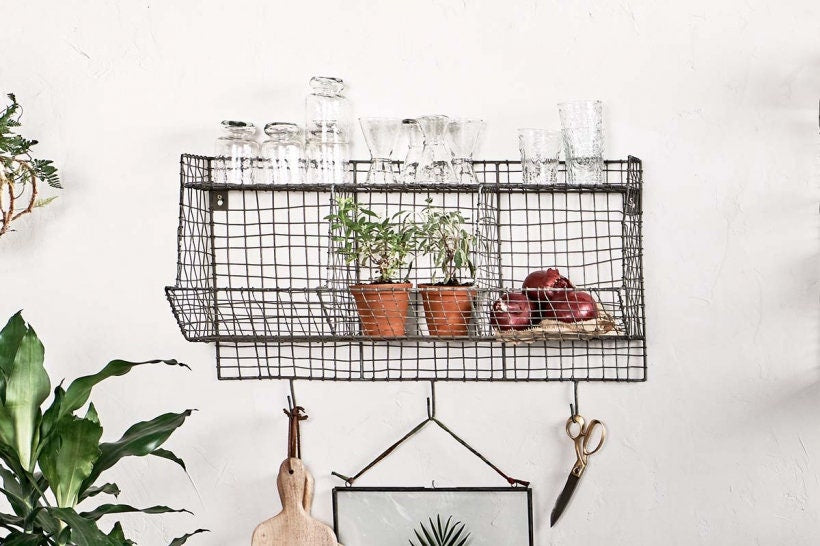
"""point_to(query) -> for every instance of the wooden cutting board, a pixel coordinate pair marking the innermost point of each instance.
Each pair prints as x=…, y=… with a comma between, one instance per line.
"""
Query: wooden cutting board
x=293, y=526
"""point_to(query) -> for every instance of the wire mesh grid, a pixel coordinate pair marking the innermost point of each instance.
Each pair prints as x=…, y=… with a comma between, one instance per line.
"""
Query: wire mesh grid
x=260, y=273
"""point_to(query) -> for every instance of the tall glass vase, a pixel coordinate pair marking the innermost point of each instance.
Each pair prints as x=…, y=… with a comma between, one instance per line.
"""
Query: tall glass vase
x=435, y=165
x=415, y=145
x=380, y=134
x=463, y=136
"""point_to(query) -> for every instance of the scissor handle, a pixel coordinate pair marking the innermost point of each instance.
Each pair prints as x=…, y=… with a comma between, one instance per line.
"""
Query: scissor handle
x=588, y=433
x=575, y=420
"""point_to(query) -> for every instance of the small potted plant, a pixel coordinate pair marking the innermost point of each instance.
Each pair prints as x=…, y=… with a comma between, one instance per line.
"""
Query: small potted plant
x=448, y=303
x=381, y=245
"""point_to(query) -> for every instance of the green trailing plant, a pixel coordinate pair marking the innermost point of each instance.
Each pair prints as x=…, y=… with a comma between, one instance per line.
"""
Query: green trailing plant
x=441, y=234
x=52, y=458
x=20, y=173
x=363, y=237
x=437, y=534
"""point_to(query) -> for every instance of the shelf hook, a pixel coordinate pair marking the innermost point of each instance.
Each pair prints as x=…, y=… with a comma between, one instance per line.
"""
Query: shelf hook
x=574, y=409
x=431, y=401
x=292, y=394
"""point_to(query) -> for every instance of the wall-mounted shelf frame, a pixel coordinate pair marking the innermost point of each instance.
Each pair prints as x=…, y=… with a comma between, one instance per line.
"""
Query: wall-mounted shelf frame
x=258, y=275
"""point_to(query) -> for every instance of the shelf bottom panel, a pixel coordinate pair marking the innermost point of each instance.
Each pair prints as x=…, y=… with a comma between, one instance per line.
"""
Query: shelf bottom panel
x=616, y=359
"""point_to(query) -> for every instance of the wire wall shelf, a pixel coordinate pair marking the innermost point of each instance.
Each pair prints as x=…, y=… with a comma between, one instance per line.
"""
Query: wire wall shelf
x=259, y=274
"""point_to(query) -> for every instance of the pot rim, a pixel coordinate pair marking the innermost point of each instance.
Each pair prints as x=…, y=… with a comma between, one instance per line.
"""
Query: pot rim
x=380, y=287
x=433, y=286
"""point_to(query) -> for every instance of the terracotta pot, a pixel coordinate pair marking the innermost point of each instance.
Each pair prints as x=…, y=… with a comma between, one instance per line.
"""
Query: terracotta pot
x=447, y=309
x=382, y=308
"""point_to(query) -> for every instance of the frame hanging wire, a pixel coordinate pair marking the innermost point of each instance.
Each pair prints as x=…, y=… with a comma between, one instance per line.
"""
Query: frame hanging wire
x=431, y=418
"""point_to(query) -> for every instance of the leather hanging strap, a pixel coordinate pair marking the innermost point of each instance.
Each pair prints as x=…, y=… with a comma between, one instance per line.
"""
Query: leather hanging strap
x=294, y=436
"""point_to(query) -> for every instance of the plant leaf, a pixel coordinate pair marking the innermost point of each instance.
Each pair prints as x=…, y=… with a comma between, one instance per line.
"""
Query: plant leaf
x=165, y=454
x=44, y=202
x=27, y=387
x=139, y=440
x=84, y=532
x=6, y=520
x=10, y=337
x=24, y=539
x=51, y=416
x=14, y=492
x=105, y=509
x=76, y=395
x=184, y=538
x=446, y=534
x=118, y=534
x=43, y=519
x=69, y=457
x=108, y=488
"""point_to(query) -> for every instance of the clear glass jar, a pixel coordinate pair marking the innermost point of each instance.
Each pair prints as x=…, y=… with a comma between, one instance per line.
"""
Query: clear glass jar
x=283, y=152
x=327, y=131
x=435, y=163
x=236, y=152
x=582, y=129
x=415, y=144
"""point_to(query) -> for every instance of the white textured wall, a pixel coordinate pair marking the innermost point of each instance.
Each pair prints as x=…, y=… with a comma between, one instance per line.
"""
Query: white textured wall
x=721, y=445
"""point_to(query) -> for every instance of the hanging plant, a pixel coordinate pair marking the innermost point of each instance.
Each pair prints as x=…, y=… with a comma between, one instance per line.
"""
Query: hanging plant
x=20, y=173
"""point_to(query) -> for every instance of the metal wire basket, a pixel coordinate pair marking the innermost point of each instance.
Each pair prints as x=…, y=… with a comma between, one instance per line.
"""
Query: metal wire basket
x=259, y=274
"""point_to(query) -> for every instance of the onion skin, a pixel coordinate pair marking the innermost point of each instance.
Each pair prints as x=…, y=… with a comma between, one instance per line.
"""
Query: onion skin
x=545, y=285
x=512, y=311
x=572, y=306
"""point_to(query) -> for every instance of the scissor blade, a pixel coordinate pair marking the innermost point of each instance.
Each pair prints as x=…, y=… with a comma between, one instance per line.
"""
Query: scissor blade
x=563, y=498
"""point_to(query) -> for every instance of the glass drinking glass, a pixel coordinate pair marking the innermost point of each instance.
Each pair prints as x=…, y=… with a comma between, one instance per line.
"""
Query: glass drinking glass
x=327, y=130
x=284, y=152
x=463, y=136
x=415, y=145
x=435, y=165
x=236, y=150
x=582, y=127
x=539, y=155
x=380, y=134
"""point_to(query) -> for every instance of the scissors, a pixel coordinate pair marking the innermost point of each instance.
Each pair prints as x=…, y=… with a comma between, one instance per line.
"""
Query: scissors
x=582, y=452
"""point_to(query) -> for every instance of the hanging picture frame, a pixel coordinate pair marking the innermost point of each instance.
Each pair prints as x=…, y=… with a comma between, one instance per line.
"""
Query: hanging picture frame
x=376, y=516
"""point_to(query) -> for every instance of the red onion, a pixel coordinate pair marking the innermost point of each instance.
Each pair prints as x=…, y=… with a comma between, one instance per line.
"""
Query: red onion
x=545, y=285
x=570, y=307
x=512, y=311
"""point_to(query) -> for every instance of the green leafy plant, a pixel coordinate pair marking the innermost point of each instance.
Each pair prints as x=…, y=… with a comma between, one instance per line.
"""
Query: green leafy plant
x=441, y=234
x=364, y=237
x=51, y=459
x=449, y=534
x=20, y=173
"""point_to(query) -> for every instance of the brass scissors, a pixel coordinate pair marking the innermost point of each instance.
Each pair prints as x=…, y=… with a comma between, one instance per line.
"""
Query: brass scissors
x=582, y=438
